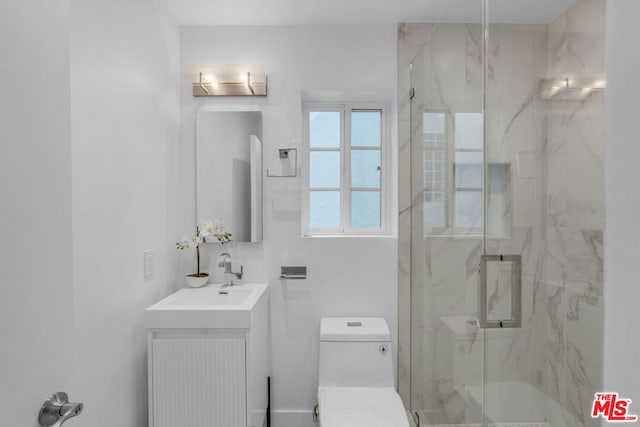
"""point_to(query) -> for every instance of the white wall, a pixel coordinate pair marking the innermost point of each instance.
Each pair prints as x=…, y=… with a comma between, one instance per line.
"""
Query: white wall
x=125, y=121
x=622, y=204
x=36, y=294
x=346, y=276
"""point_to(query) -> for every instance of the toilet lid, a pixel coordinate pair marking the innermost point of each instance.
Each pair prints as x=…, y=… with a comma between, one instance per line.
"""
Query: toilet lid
x=361, y=407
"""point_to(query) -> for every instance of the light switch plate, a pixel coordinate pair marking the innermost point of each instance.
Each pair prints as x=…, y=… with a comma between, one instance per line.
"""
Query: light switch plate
x=149, y=264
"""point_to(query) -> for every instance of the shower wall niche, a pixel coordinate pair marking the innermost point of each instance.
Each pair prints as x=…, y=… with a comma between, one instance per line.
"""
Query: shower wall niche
x=492, y=162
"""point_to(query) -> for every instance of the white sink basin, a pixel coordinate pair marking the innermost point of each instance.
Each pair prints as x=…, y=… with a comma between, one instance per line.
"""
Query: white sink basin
x=206, y=308
x=205, y=297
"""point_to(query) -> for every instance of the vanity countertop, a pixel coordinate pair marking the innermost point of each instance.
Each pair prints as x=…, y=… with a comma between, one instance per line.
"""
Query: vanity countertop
x=207, y=308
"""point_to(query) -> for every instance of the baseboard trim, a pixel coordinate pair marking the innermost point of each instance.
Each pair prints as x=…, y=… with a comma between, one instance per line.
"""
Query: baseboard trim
x=292, y=418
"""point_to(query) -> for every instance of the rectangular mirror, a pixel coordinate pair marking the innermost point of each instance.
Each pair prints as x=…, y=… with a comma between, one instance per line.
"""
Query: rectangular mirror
x=229, y=171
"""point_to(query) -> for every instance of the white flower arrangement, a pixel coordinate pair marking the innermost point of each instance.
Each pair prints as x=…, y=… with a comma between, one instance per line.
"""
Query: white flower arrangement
x=189, y=243
x=213, y=228
x=217, y=229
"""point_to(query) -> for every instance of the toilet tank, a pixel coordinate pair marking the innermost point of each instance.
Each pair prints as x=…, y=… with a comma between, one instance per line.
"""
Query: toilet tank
x=355, y=352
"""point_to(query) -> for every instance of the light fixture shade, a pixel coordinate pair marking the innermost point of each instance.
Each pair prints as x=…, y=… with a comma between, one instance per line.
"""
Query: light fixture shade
x=572, y=87
x=227, y=80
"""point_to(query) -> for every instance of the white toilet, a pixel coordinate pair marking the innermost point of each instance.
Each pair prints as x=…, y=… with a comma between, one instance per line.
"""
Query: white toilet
x=355, y=379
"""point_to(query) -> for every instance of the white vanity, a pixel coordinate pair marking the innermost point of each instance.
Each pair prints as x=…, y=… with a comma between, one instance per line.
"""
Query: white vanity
x=209, y=357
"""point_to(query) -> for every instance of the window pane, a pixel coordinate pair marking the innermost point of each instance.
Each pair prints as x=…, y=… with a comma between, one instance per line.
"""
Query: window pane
x=324, y=209
x=434, y=209
x=434, y=168
x=324, y=129
x=468, y=170
x=469, y=131
x=365, y=209
x=366, y=128
x=324, y=169
x=468, y=212
x=433, y=128
x=365, y=168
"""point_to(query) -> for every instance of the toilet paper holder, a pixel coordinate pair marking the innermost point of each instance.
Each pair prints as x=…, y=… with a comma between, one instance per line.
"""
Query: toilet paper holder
x=296, y=273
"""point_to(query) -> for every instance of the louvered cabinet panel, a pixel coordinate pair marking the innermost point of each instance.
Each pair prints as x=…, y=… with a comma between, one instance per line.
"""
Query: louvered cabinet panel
x=199, y=382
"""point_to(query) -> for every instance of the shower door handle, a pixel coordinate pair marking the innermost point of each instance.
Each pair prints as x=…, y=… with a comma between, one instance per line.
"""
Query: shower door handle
x=515, y=319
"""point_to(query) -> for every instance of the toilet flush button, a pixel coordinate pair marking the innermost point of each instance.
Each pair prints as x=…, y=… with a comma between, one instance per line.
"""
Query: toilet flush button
x=383, y=348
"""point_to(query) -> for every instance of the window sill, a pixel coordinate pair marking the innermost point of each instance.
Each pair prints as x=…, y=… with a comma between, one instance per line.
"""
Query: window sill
x=465, y=236
x=349, y=236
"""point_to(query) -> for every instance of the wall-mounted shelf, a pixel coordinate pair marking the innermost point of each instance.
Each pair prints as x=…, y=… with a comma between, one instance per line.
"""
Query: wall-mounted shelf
x=288, y=164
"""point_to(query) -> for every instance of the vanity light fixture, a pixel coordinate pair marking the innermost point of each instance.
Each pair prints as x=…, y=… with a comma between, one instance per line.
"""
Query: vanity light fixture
x=227, y=80
x=572, y=88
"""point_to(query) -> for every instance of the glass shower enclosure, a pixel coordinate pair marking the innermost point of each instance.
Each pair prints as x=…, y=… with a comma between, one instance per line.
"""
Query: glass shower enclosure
x=506, y=126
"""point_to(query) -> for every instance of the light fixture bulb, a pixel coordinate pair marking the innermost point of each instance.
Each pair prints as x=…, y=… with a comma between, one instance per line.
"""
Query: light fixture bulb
x=586, y=92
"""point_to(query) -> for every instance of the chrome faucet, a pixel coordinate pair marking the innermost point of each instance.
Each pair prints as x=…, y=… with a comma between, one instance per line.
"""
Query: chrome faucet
x=224, y=260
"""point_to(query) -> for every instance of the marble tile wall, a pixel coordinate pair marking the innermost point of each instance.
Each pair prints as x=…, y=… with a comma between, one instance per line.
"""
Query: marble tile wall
x=554, y=149
x=572, y=272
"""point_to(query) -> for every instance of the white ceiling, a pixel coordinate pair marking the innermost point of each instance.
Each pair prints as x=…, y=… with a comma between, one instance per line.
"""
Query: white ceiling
x=328, y=12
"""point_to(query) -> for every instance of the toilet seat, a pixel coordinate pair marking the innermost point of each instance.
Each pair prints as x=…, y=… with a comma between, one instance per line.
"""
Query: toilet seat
x=361, y=407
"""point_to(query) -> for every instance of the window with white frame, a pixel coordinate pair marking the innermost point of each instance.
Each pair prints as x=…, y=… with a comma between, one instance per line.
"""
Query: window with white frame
x=435, y=171
x=468, y=160
x=344, y=178
x=453, y=159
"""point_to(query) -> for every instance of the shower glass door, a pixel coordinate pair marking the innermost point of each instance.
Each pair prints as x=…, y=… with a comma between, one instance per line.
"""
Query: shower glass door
x=511, y=296
x=506, y=119
x=447, y=237
x=543, y=145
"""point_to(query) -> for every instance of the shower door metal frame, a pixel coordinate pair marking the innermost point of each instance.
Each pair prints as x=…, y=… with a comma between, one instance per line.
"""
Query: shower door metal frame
x=515, y=321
